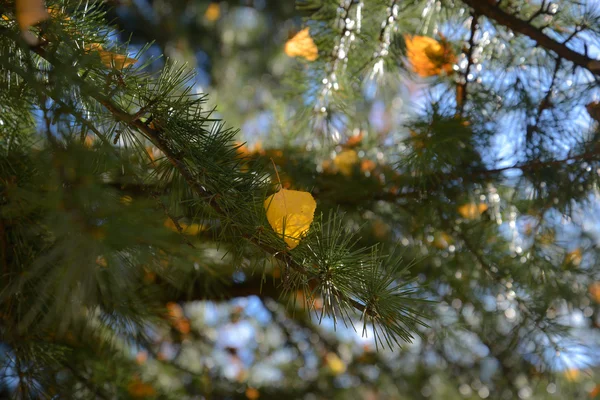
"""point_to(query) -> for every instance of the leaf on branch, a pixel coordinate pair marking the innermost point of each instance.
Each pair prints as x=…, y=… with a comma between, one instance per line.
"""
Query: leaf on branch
x=110, y=59
x=290, y=213
x=594, y=290
x=335, y=365
x=30, y=12
x=345, y=161
x=574, y=257
x=429, y=57
x=302, y=45
x=140, y=390
x=471, y=210
x=213, y=12
x=191, y=229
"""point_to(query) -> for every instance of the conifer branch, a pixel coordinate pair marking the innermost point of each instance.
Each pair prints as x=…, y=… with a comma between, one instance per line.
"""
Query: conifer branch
x=518, y=25
x=156, y=137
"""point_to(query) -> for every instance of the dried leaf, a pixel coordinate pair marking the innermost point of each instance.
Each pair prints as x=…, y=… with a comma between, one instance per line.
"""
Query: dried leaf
x=335, y=364
x=290, y=213
x=355, y=140
x=213, y=12
x=252, y=393
x=429, y=57
x=345, y=161
x=110, y=59
x=302, y=45
x=186, y=229
x=126, y=200
x=572, y=374
x=574, y=257
x=471, y=210
x=30, y=12
x=594, y=291
x=140, y=390
x=367, y=165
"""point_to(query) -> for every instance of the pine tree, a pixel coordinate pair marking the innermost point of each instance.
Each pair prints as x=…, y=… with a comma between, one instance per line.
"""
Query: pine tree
x=149, y=249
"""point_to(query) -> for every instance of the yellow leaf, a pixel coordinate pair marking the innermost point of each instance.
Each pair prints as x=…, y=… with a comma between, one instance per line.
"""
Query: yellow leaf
x=191, y=229
x=110, y=59
x=572, y=374
x=471, y=210
x=290, y=213
x=56, y=13
x=88, y=141
x=427, y=56
x=302, y=45
x=213, y=12
x=574, y=257
x=335, y=364
x=30, y=12
x=126, y=200
x=345, y=161
x=442, y=240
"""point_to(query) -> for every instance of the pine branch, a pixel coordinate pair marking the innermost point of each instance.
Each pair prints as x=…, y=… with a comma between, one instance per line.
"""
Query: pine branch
x=494, y=12
x=156, y=137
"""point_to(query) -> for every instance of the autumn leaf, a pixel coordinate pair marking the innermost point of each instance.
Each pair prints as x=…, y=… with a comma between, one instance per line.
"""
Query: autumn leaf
x=572, y=374
x=594, y=291
x=252, y=393
x=110, y=59
x=140, y=390
x=186, y=229
x=126, y=200
x=355, y=140
x=302, y=45
x=335, y=364
x=471, y=210
x=213, y=12
x=345, y=161
x=442, y=240
x=429, y=57
x=30, y=12
x=367, y=165
x=574, y=257
x=290, y=213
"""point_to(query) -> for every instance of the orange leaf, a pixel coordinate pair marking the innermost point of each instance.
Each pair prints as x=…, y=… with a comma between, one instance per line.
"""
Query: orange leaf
x=30, y=12
x=471, y=210
x=302, y=45
x=110, y=59
x=427, y=56
x=213, y=12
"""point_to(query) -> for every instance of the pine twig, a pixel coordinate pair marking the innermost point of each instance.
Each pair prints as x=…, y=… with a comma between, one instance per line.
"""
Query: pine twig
x=518, y=25
x=155, y=136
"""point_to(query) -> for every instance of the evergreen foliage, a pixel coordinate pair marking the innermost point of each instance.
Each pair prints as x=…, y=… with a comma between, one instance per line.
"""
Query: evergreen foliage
x=456, y=199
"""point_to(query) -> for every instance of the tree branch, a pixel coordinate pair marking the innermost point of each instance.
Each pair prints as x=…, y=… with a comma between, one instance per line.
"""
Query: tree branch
x=155, y=136
x=523, y=27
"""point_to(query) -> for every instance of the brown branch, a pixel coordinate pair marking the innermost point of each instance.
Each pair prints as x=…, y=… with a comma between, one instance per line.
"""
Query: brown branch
x=523, y=27
x=461, y=95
